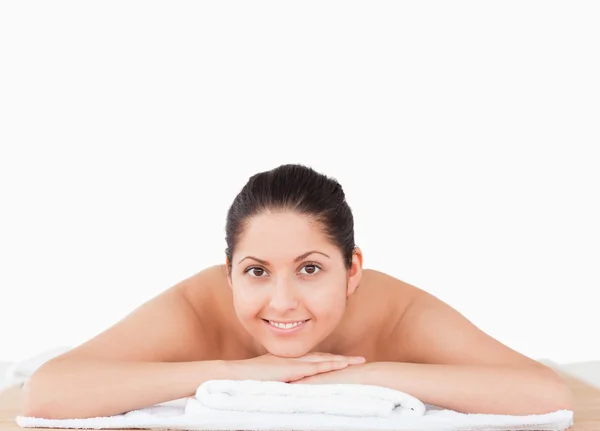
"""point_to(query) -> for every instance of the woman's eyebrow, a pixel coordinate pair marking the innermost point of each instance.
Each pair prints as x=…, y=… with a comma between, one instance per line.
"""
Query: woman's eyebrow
x=299, y=258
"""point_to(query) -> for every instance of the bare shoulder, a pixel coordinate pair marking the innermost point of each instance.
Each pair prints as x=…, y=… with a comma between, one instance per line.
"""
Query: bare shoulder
x=202, y=285
x=208, y=293
x=373, y=311
x=168, y=327
x=375, y=277
x=389, y=292
x=425, y=329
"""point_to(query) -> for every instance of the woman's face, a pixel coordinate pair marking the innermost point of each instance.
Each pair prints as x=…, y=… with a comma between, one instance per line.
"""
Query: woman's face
x=289, y=282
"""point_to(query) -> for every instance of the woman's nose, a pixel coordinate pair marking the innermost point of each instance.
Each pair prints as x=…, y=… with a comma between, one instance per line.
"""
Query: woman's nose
x=283, y=298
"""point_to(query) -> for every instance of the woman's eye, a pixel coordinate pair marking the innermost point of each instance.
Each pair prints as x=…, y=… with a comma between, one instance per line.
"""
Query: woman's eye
x=313, y=269
x=255, y=268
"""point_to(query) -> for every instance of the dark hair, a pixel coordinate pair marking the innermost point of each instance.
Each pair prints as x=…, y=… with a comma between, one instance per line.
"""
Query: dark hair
x=297, y=188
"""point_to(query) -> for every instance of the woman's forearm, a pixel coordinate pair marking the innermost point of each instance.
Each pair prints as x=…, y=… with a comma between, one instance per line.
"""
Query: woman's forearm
x=513, y=390
x=476, y=389
x=80, y=388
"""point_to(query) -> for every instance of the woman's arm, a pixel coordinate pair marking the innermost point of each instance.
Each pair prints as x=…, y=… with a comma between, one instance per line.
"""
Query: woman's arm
x=83, y=388
x=154, y=354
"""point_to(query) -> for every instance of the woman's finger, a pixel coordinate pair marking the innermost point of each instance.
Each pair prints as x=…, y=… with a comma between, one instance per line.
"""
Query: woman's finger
x=331, y=357
x=325, y=366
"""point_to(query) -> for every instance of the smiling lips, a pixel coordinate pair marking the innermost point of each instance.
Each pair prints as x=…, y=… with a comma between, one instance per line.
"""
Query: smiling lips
x=286, y=326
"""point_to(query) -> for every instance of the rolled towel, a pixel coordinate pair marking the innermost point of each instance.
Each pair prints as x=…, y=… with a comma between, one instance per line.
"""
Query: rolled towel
x=279, y=397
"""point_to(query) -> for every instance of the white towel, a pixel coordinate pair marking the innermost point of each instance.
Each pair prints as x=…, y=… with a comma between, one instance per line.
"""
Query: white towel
x=249, y=405
x=278, y=397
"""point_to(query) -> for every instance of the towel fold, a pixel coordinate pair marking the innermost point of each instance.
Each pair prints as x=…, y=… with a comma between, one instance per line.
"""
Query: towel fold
x=279, y=397
x=249, y=405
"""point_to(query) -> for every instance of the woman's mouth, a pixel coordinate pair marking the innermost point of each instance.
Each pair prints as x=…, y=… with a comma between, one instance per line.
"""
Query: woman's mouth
x=285, y=327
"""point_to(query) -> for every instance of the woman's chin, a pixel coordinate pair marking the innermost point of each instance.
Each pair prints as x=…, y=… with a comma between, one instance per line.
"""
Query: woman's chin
x=286, y=351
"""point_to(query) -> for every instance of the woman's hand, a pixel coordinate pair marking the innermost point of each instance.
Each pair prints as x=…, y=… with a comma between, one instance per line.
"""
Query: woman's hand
x=358, y=374
x=275, y=368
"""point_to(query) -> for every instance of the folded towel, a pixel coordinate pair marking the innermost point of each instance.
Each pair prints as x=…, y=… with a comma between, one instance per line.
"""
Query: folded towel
x=221, y=405
x=279, y=397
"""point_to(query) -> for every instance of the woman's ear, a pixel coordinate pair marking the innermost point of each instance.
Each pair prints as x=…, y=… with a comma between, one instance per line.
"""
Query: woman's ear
x=355, y=271
x=228, y=271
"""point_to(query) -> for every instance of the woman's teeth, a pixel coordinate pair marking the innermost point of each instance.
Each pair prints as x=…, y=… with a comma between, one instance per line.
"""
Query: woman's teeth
x=286, y=325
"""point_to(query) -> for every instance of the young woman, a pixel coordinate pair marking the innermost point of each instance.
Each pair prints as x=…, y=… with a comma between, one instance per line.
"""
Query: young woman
x=292, y=303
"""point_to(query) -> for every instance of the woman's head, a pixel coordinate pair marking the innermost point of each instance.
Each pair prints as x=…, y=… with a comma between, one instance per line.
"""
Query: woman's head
x=277, y=218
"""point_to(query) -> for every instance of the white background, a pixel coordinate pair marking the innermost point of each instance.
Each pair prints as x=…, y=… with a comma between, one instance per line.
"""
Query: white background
x=465, y=135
